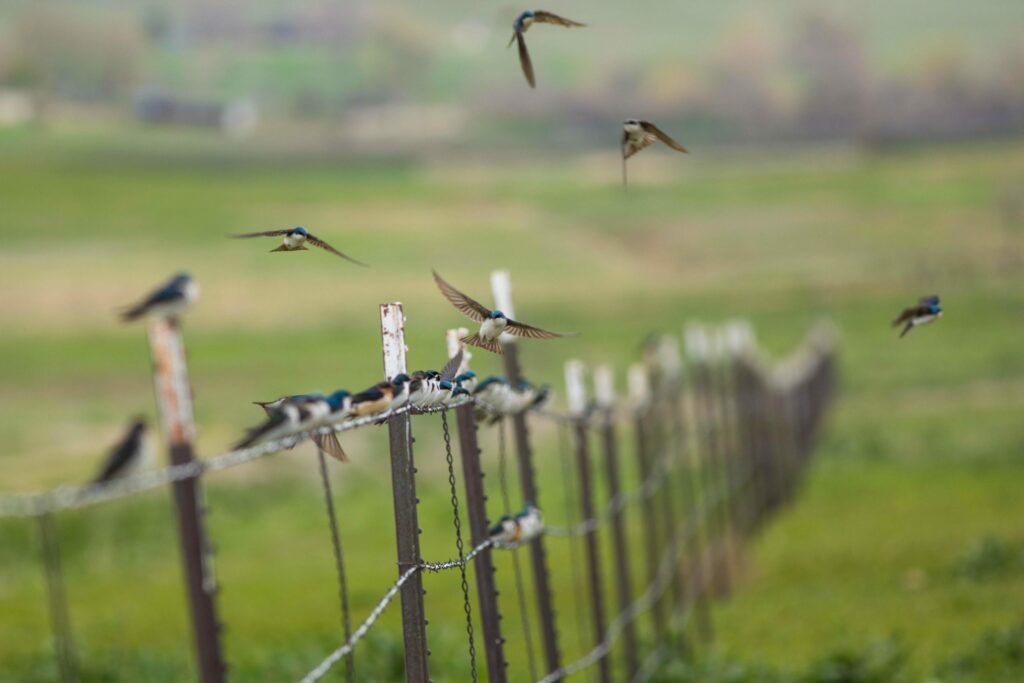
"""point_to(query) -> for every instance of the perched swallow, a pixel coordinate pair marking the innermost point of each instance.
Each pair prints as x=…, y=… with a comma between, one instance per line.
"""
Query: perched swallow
x=927, y=310
x=295, y=240
x=281, y=421
x=638, y=135
x=318, y=411
x=505, y=533
x=530, y=521
x=167, y=301
x=466, y=380
x=492, y=323
x=519, y=27
x=381, y=397
x=127, y=455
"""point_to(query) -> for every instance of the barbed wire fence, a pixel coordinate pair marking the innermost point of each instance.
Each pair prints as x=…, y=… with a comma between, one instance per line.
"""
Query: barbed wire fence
x=719, y=442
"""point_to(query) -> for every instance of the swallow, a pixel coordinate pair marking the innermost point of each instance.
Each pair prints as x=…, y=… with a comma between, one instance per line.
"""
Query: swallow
x=457, y=392
x=506, y=533
x=127, y=455
x=318, y=411
x=466, y=380
x=167, y=301
x=530, y=521
x=519, y=27
x=638, y=135
x=492, y=323
x=283, y=420
x=381, y=397
x=927, y=310
x=295, y=239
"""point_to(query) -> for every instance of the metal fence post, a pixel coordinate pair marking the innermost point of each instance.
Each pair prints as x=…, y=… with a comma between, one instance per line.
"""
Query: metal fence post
x=502, y=290
x=63, y=646
x=403, y=483
x=576, y=395
x=174, y=399
x=604, y=391
x=640, y=400
x=476, y=508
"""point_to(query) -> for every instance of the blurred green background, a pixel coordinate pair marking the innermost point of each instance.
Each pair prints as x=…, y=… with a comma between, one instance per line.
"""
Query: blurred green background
x=846, y=158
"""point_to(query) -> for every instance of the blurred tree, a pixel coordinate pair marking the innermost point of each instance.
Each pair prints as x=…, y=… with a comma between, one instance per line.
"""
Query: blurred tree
x=834, y=79
x=62, y=53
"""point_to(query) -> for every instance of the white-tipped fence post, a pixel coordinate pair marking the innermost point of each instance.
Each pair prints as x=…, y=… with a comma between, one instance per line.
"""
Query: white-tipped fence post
x=476, y=508
x=604, y=392
x=403, y=483
x=174, y=400
x=576, y=395
x=502, y=291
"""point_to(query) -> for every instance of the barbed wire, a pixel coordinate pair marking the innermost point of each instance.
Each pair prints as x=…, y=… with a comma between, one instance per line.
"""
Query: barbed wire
x=334, y=657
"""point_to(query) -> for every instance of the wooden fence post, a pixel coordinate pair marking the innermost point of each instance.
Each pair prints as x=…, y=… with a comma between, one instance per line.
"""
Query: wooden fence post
x=577, y=398
x=63, y=645
x=403, y=484
x=502, y=289
x=604, y=391
x=174, y=400
x=476, y=508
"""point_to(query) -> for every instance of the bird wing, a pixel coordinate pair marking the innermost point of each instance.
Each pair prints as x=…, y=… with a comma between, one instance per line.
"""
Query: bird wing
x=662, y=135
x=329, y=444
x=519, y=329
x=317, y=242
x=909, y=314
x=493, y=346
x=631, y=146
x=471, y=307
x=524, y=60
x=542, y=17
x=451, y=368
x=119, y=456
x=265, y=233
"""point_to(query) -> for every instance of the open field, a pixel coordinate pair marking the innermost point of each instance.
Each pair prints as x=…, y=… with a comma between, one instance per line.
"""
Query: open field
x=922, y=459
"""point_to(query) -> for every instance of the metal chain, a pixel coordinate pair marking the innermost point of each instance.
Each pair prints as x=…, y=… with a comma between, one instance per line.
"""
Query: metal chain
x=524, y=613
x=458, y=544
x=339, y=563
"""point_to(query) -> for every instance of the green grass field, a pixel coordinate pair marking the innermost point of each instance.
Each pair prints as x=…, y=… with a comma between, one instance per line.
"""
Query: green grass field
x=920, y=462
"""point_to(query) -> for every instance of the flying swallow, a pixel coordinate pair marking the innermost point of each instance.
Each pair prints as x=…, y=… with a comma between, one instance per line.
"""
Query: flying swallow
x=167, y=301
x=927, y=310
x=295, y=240
x=638, y=135
x=492, y=323
x=519, y=27
x=127, y=455
x=318, y=411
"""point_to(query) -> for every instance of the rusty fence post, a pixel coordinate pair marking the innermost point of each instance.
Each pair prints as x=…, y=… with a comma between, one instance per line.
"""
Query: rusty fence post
x=403, y=484
x=476, y=509
x=502, y=290
x=604, y=391
x=174, y=399
x=640, y=402
x=576, y=396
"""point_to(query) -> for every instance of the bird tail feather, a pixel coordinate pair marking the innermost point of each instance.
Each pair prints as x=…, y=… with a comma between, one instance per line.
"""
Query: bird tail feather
x=906, y=329
x=475, y=340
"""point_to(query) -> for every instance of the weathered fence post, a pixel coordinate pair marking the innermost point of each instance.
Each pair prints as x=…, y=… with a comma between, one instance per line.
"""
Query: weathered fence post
x=476, y=508
x=174, y=400
x=63, y=646
x=577, y=398
x=502, y=289
x=640, y=401
x=403, y=484
x=604, y=392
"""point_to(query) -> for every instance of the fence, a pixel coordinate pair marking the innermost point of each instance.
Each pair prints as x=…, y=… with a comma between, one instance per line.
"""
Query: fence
x=716, y=446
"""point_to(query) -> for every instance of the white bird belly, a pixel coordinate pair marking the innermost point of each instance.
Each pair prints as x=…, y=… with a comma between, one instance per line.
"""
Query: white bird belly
x=491, y=328
x=291, y=241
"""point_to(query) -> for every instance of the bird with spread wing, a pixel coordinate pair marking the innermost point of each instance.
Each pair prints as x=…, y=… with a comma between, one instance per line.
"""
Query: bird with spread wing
x=295, y=239
x=638, y=135
x=492, y=322
x=519, y=27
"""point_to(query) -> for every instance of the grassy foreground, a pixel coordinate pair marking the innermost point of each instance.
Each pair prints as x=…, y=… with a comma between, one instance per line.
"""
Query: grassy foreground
x=921, y=461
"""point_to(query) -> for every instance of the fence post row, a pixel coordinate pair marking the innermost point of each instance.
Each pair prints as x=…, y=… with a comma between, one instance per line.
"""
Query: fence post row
x=174, y=400
x=576, y=396
x=403, y=484
x=476, y=509
x=501, y=288
x=604, y=392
